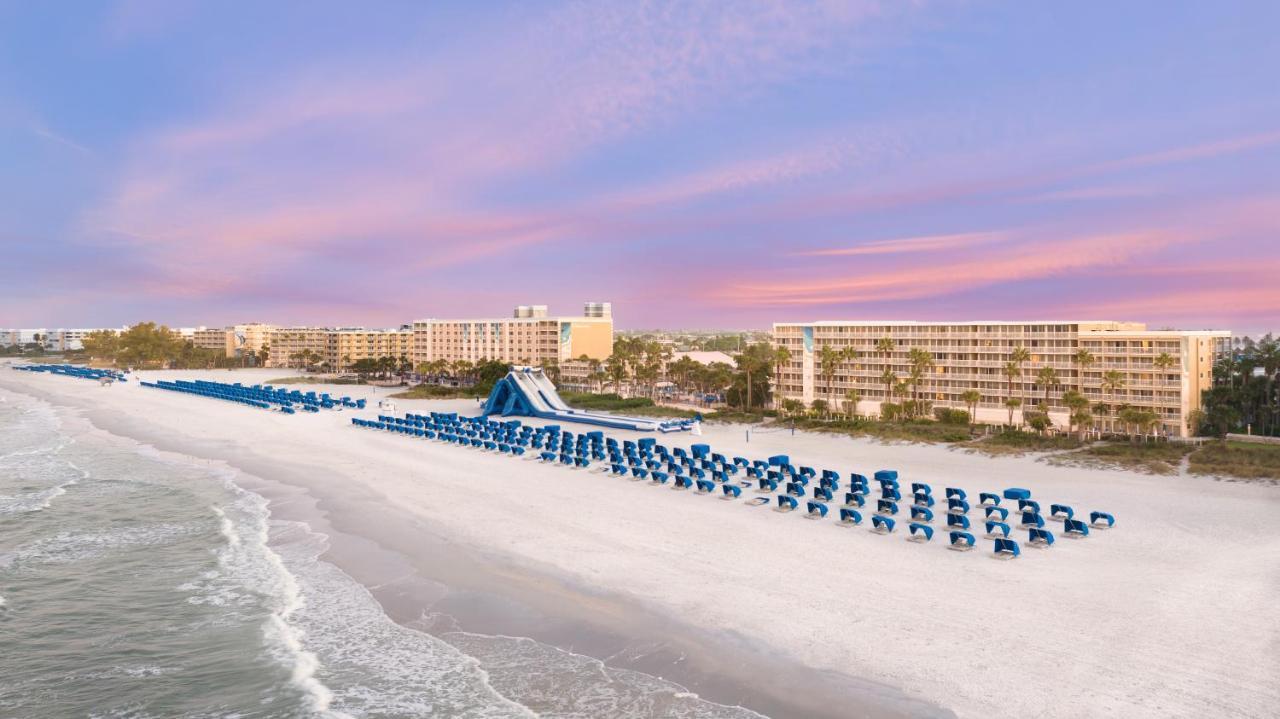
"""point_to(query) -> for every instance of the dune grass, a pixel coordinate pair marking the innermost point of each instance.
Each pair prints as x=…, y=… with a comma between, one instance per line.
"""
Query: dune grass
x=1242, y=460
x=1147, y=457
x=1019, y=443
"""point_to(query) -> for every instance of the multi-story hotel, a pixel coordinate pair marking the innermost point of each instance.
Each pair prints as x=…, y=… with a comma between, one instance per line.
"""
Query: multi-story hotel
x=337, y=349
x=973, y=355
x=236, y=340
x=529, y=336
x=347, y=346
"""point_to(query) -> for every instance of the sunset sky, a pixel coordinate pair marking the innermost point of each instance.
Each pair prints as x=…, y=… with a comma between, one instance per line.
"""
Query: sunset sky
x=697, y=165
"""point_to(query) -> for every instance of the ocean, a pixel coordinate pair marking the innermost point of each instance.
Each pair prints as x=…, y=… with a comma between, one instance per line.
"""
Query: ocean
x=135, y=583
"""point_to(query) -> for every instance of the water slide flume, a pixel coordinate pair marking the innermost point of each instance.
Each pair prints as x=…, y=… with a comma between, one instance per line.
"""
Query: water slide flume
x=527, y=392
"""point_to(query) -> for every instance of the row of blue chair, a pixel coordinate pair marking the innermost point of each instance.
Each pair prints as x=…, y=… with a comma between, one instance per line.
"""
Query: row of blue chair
x=702, y=470
x=262, y=397
x=80, y=372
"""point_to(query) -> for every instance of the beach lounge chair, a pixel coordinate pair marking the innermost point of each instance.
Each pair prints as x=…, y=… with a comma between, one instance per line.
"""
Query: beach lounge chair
x=852, y=499
x=961, y=541
x=888, y=492
x=1025, y=504
x=705, y=486
x=882, y=525
x=730, y=491
x=920, y=532
x=1007, y=548
x=1102, y=520
x=957, y=521
x=850, y=517
x=921, y=487
x=1075, y=528
x=1017, y=493
x=997, y=529
x=620, y=469
x=786, y=503
x=1032, y=519
x=957, y=505
x=998, y=513
x=988, y=499
x=639, y=473
x=956, y=493
x=1039, y=537
x=886, y=506
x=816, y=510
x=682, y=482
x=548, y=456
x=824, y=494
x=1061, y=511
x=795, y=489
x=758, y=501
x=768, y=485
x=922, y=500
x=921, y=514
x=886, y=475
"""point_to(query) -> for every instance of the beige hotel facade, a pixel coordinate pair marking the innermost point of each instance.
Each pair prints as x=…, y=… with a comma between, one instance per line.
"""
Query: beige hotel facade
x=337, y=348
x=972, y=355
x=529, y=336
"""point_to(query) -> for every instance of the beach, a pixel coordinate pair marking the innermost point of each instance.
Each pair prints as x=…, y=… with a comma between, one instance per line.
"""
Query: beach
x=1170, y=613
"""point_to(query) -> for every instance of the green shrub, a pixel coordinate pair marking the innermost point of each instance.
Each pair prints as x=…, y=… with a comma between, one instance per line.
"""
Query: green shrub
x=947, y=415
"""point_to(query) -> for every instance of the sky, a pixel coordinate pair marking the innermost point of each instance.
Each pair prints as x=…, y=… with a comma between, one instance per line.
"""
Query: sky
x=699, y=165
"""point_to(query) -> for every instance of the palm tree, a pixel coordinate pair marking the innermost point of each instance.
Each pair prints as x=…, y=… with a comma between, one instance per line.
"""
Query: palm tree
x=1047, y=377
x=781, y=358
x=852, y=397
x=1019, y=356
x=1084, y=360
x=921, y=361
x=1012, y=403
x=1077, y=405
x=1164, y=362
x=1112, y=382
x=1012, y=370
x=828, y=361
x=889, y=379
x=971, y=398
x=753, y=360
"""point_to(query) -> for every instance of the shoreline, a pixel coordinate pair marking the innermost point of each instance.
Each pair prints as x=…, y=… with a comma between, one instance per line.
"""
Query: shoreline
x=1092, y=622
x=481, y=592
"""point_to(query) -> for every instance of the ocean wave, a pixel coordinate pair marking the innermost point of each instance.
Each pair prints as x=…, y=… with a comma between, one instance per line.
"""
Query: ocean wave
x=72, y=546
x=246, y=557
x=561, y=683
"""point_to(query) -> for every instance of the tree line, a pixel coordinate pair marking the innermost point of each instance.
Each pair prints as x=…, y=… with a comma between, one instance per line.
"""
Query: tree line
x=1245, y=396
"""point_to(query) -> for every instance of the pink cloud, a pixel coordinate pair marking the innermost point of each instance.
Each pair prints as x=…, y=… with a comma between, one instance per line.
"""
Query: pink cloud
x=927, y=243
x=937, y=277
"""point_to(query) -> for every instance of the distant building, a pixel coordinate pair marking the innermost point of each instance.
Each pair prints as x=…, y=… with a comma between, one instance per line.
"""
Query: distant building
x=529, y=336
x=218, y=340
x=52, y=340
x=972, y=355
x=337, y=349
x=704, y=357
x=236, y=340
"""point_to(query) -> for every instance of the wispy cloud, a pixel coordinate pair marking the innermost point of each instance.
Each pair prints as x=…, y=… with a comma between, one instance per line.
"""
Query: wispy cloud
x=926, y=243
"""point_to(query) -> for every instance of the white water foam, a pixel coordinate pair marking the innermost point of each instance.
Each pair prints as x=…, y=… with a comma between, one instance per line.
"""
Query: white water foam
x=250, y=559
x=565, y=684
x=41, y=500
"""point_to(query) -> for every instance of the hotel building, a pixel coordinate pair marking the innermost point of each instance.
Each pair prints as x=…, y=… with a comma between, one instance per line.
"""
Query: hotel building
x=235, y=340
x=338, y=348
x=529, y=337
x=973, y=355
x=52, y=340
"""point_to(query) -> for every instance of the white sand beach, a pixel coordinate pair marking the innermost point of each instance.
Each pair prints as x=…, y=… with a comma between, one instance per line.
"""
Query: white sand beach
x=1172, y=613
